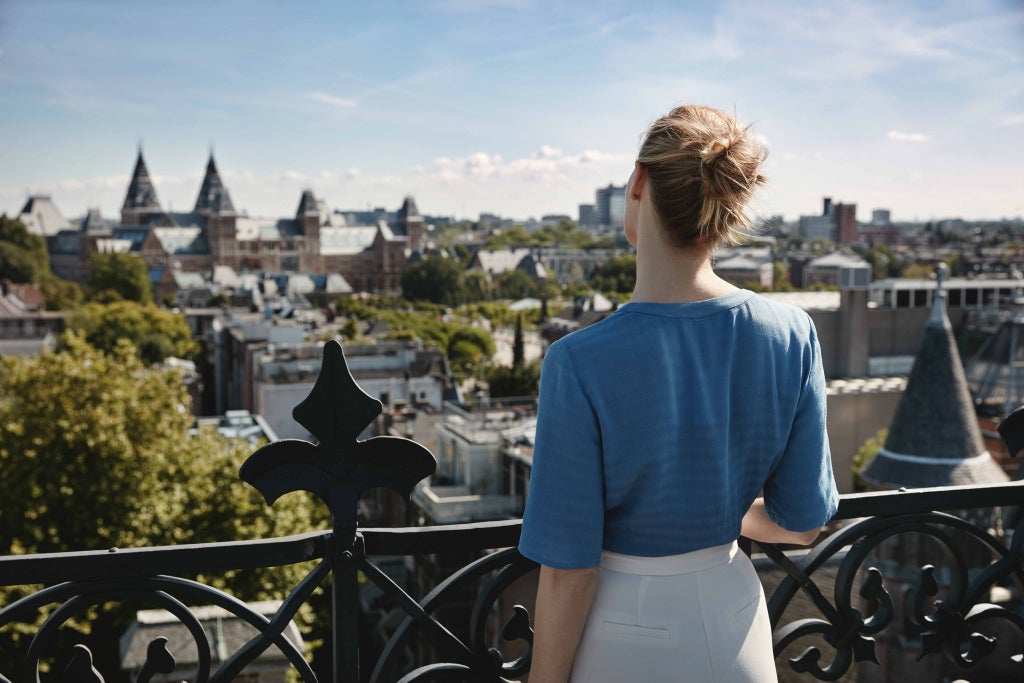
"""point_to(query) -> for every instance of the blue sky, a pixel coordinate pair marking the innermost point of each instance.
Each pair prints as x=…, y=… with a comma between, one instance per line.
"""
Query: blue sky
x=520, y=107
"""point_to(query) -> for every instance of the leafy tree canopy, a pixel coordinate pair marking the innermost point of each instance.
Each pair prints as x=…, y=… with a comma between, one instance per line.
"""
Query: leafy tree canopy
x=154, y=333
x=23, y=256
x=617, y=274
x=60, y=295
x=436, y=279
x=118, y=276
x=96, y=452
x=516, y=284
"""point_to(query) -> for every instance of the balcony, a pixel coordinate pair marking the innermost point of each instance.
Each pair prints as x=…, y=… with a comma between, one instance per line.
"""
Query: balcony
x=898, y=576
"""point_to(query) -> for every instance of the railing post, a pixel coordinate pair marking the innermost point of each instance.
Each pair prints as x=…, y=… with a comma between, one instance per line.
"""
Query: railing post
x=345, y=605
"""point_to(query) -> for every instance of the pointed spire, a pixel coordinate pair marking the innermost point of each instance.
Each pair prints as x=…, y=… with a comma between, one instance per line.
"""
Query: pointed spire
x=934, y=439
x=994, y=373
x=408, y=210
x=141, y=192
x=213, y=196
x=307, y=204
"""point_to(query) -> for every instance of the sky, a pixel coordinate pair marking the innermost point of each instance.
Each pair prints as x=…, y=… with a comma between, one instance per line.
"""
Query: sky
x=515, y=107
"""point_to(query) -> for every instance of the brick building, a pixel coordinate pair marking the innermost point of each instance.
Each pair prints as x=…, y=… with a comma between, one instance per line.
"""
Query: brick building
x=315, y=240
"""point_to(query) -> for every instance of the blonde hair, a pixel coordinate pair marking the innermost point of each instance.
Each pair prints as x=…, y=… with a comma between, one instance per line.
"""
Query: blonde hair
x=703, y=168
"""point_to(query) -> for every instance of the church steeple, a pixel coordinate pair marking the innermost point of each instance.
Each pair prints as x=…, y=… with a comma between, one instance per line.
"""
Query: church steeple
x=140, y=202
x=141, y=193
x=213, y=196
x=934, y=439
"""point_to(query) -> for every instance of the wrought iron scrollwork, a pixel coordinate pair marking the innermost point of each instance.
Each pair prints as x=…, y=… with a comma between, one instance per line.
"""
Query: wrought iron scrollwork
x=474, y=659
x=947, y=625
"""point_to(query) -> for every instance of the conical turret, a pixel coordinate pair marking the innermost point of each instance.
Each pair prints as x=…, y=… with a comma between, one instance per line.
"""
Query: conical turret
x=934, y=439
x=141, y=193
x=213, y=196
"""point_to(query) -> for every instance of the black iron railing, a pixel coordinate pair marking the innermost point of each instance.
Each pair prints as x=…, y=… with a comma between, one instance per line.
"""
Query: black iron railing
x=951, y=618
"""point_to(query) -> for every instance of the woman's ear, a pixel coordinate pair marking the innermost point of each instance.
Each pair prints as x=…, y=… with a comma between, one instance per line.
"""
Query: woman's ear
x=639, y=184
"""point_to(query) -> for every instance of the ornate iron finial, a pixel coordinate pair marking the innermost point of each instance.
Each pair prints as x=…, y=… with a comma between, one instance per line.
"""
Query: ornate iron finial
x=159, y=660
x=938, y=312
x=941, y=273
x=80, y=668
x=339, y=467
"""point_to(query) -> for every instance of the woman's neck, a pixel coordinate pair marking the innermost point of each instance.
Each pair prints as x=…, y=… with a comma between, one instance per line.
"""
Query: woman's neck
x=668, y=274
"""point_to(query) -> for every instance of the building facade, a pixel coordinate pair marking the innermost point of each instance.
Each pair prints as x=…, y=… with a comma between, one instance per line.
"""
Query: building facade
x=314, y=240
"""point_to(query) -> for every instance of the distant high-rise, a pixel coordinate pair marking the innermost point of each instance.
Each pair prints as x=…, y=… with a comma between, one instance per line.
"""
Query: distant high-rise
x=846, y=223
x=588, y=216
x=837, y=223
x=610, y=205
x=881, y=217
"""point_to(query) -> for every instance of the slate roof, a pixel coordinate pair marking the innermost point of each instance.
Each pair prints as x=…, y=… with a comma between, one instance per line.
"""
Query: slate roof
x=213, y=196
x=94, y=222
x=184, y=241
x=934, y=439
x=347, y=240
x=141, y=192
x=42, y=217
x=307, y=203
x=500, y=261
x=996, y=372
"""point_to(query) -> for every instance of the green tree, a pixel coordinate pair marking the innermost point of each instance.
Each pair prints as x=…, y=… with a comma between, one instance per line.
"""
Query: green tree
x=468, y=346
x=436, y=279
x=23, y=255
x=154, y=333
x=503, y=381
x=617, y=274
x=118, y=276
x=60, y=295
x=96, y=452
x=515, y=284
x=865, y=455
x=477, y=286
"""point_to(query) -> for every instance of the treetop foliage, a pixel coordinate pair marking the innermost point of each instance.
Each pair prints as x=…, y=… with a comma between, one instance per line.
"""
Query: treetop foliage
x=23, y=255
x=96, y=452
x=153, y=332
x=118, y=275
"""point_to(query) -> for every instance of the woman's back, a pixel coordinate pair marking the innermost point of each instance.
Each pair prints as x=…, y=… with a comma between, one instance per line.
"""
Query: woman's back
x=693, y=406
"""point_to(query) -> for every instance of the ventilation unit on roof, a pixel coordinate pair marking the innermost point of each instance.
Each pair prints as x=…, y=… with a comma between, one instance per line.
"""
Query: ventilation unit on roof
x=854, y=277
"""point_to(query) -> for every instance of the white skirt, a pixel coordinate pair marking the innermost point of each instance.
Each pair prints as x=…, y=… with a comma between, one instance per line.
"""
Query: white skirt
x=697, y=617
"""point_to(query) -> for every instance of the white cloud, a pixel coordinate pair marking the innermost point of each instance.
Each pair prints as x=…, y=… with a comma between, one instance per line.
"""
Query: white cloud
x=1011, y=120
x=900, y=136
x=546, y=164
x=332, y=100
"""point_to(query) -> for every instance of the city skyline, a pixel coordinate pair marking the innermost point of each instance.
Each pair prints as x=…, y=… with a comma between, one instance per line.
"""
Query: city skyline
x=513, y=107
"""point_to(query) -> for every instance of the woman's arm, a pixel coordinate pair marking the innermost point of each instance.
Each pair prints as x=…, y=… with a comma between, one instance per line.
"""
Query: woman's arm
x=563, y=603
x=757, y=526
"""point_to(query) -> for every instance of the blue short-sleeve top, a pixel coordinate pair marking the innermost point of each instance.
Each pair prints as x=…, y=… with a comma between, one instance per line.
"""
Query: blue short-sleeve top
x=659, y=426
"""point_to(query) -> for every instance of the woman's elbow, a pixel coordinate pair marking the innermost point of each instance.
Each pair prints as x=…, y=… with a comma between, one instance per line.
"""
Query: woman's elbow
x=805, y=537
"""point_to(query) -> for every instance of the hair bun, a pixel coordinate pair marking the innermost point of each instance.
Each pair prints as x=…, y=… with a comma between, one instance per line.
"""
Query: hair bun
x=717, y=149
x=703, y=168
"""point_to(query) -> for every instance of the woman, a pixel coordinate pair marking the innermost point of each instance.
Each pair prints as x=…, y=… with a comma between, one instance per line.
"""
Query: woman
x=659, y=427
